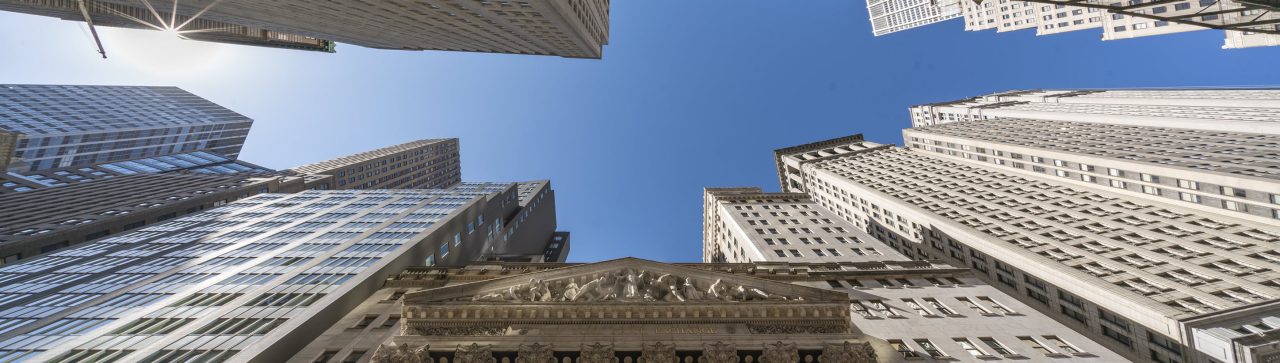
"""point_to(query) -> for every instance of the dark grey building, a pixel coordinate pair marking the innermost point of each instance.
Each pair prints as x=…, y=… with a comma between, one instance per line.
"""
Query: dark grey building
x=421, y=164
x=199, y=162
x=56, y=126
x=48, y=220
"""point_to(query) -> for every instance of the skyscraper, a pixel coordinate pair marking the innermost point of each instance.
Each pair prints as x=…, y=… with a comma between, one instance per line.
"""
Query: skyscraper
x=1086, y=222
x=1245, y=24
x=421, y=164
x=1239, y=110
x=56, y=126
x=198, y=162
x=247, y=282
x=47, y=220
x=567, y=28
x=890, y=16
x=920, y=312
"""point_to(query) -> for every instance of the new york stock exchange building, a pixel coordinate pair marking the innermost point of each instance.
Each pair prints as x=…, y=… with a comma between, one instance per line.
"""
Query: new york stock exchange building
x=639, y=311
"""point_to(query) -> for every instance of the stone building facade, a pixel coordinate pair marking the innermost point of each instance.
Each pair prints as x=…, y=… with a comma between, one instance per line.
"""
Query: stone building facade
x=1154, y=279
x=1229, y=110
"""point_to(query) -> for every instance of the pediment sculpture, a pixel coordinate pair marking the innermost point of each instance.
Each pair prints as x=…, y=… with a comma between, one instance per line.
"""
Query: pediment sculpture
x=628, y=285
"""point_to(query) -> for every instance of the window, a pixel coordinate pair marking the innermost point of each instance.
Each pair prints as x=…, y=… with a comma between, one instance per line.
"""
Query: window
x=1149, y=178
x=391, y=322
x=969, y=347
x=1231, y=205
x=326, y=356
x=1187, y=184
x=936, y=305
x=1119, y=184
x=996, y=305
x=444, y=250
x=1188, y=197
x=365, y=322
x=1115, y=172
x=1233, y=192
x=996, y=346
x=1150, y=190
x=929, y=348
x=903, y=349
x=354, y=356
x=1037, y=346
x=1061, y=344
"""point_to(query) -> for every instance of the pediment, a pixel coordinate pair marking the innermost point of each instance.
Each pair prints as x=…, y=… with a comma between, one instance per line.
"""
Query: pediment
x=626, y=280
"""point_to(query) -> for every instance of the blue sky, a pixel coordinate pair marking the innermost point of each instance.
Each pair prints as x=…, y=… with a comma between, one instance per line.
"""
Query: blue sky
x=690, y=94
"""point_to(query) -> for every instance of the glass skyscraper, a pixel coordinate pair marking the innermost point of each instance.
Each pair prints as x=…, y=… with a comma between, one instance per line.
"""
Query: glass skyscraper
x=237, y=280
x=56, y=126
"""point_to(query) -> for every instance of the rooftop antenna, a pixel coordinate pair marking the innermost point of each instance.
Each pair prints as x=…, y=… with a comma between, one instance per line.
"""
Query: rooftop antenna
x=84, y=10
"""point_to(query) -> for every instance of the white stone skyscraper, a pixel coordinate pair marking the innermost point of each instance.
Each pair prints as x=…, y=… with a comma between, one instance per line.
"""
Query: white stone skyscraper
x=1155, y=239
x=1245, y=23
x=566, y=28
x=924, y=309
x=1217, y=109
x=54, y=126
x=890, y=16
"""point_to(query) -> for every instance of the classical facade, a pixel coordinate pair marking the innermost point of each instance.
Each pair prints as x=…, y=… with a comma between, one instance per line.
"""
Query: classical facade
x=1153, y=278
x=420, y=164
x=56, y=126
x=1233, y=110
x=638, y=310
x=566, y=28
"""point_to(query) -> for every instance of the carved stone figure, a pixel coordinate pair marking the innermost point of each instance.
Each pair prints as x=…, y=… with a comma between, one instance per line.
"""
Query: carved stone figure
x=719, y=352
x=597, y=353
x=848, y=353
x=631, y=284
x=720, y=290
x=780, y=353
x=691, y=291
x=474, y=353
x=571, y=291
x=666, y=288
x=535, y=353
x=659, y=353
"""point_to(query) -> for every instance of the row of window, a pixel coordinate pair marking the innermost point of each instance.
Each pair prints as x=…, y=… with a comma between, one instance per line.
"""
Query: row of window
x=1048, y=345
